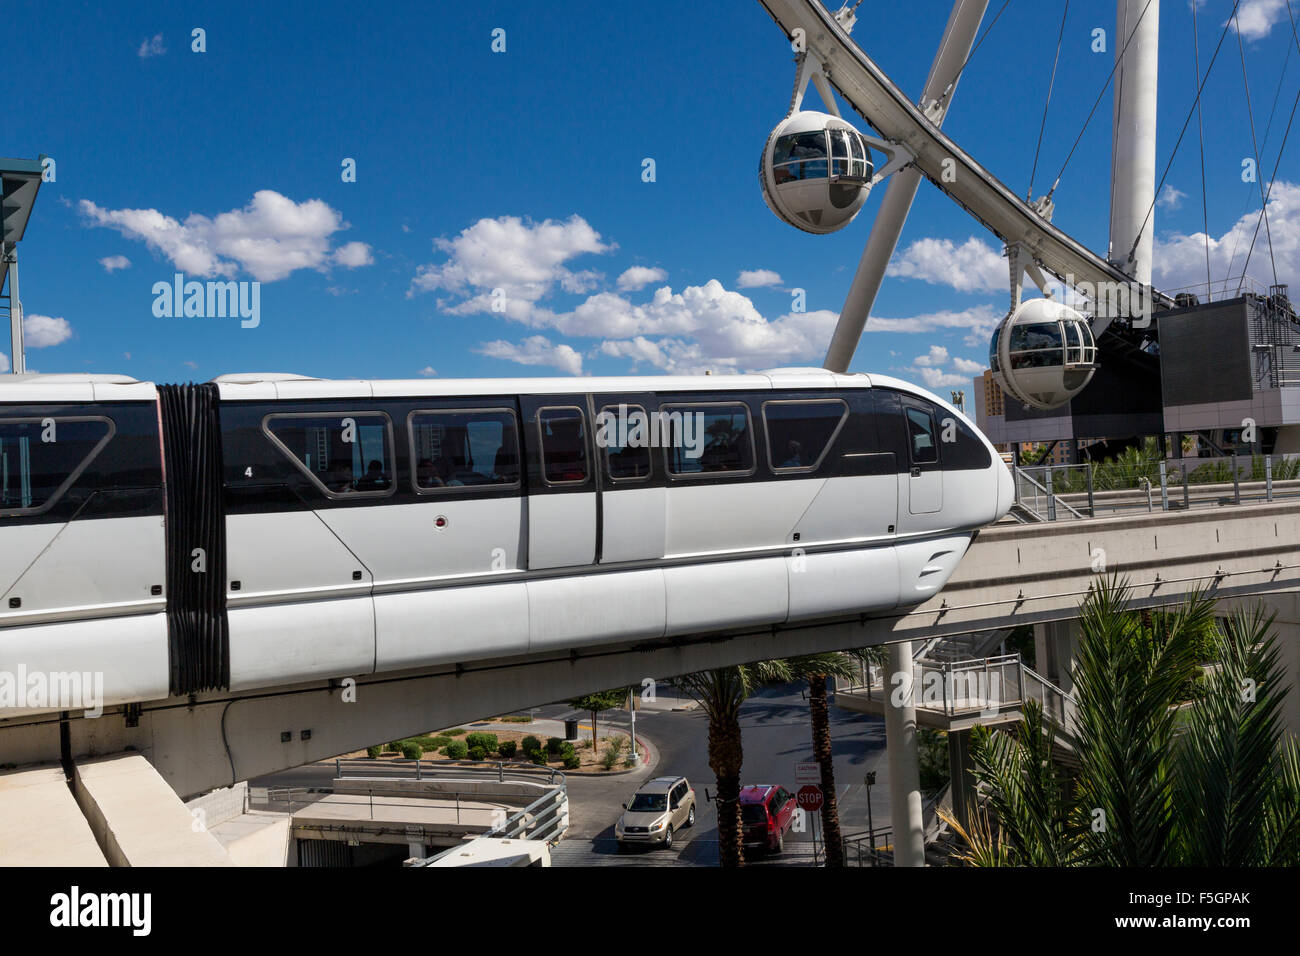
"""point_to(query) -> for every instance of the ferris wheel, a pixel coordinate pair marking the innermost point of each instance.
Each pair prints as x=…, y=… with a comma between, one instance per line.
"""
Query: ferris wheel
x=818, y=169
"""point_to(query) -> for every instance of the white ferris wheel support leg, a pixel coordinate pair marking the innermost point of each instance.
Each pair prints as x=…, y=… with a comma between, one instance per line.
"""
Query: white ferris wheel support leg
x=958, y=37
x=900, y=722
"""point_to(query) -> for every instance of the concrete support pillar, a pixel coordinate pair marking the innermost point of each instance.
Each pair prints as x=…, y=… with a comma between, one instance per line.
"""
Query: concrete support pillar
x=904, y=762
x=415, y=851
x=963, y=780
x=1056, y=643
x=1286, y=605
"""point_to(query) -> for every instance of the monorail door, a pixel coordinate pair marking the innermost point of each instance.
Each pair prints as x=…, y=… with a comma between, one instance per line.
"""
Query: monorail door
x=560, y=450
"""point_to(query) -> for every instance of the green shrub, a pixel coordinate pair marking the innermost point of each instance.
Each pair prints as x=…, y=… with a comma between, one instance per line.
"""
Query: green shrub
x=554, y=745
x=454, y=732
x=514, y=719
x=486, y=742
x=530, y=745
x=411, y=750
x=572, y=761
x=507, y=749
x=610, y=757
x=456, y=750
x=394, y=747
x=374, y=752
x=476, y=753
x=538, y=756
x=438, y=742
x=566, y=749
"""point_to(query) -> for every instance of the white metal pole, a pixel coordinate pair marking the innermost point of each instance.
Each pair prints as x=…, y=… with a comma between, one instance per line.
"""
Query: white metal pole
x=17, y=354
x=958, y=37
x=1133, y=138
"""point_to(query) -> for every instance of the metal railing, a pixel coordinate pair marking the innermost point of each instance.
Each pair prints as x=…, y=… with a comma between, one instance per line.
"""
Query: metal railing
x=1068, y=492
x=986, y=686
x=544, y=818
x=444, y=769
x=869, y=847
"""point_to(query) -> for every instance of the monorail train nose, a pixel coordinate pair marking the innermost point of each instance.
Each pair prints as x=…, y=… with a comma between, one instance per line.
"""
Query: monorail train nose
x=1006, y=489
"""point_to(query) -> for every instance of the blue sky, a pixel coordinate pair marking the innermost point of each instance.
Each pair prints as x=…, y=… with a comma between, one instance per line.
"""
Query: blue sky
x=480, y=170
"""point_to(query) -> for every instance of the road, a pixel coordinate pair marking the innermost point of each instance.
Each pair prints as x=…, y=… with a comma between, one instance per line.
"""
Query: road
x=776, y=734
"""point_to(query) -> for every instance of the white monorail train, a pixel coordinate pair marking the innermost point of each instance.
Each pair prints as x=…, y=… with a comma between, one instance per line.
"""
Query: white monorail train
x=263, y=530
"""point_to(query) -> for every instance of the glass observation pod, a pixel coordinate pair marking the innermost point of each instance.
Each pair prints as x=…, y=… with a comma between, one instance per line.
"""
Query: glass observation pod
x=1043, y=353
x=817, y=171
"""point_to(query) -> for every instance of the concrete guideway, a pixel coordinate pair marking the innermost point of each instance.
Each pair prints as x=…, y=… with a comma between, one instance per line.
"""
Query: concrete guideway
x=1023, y=574
x=137, y=818
x=40, y=822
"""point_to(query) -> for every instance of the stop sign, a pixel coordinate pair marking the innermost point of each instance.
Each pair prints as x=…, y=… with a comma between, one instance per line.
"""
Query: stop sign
x=809, y=798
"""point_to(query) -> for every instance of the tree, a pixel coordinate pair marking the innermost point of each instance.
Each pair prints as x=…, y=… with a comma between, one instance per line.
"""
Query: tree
x=1213, y=783
x=816, y=668
x=598, y=703
x=720, y=693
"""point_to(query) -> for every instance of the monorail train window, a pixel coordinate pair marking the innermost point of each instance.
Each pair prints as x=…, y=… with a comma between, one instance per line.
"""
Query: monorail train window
x=799, y=433
x=921, y=433
x=564, y=445
x=40, y=458
x=709, y=439
x=464, y=448
x=344, y=453
x=623, y=432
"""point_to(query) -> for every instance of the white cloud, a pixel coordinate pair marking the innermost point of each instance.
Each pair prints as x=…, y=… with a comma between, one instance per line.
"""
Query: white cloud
x=931, y=368
x=1256, y=18
x=4, y=362
x=974, y=266
x=687, y=330
x=428, y=371
x=757, y=279
x=42, y=331
x=638, y=277
x=937, y=357
x=190, y=365
x=525, y=259
x=1170, y=198
x=935, y=378
x=978, y=322
x=152, y=46
x=270, y=238
x=111, y=263
x=1179, y=258
x=535, y=350
x=351, y=255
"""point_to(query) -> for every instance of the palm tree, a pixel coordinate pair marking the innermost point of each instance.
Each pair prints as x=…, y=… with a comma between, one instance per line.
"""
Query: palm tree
x=1162, y=781
x=720, y=693
x=816, y=668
